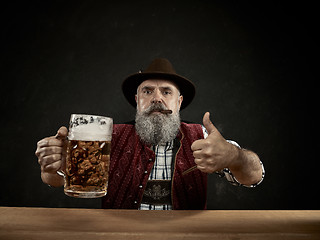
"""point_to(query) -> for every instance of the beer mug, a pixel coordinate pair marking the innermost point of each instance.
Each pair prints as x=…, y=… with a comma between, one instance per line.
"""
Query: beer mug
x=88, y=156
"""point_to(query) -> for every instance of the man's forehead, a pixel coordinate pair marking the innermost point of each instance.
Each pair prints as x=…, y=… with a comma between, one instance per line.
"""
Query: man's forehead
x=158, y=83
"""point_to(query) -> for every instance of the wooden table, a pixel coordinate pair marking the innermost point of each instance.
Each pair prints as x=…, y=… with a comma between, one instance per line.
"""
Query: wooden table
x=77, y=224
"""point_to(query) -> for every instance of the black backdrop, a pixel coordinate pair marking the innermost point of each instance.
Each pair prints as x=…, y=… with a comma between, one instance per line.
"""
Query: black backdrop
x=252, y=64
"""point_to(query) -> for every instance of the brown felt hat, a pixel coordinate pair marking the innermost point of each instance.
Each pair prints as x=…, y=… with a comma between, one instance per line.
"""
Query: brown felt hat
x=159, y=68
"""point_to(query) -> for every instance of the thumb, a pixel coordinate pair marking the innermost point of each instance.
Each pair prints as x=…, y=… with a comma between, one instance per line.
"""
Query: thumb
x=208, y=124
x=62, y=133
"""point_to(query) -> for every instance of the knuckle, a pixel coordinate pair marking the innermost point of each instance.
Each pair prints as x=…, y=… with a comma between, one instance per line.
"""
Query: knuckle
x=43, y=142
x=51, y=168
x=50, y=151
x=56, y=157
x=194, y=146
x=43, y=161
x=208, y=143
x=198, y=161
x=207, y=153
x=46, y=160
x=210, y=150
x=210, y=161
x=39, y=143
x=58, y=149
x=42, y=153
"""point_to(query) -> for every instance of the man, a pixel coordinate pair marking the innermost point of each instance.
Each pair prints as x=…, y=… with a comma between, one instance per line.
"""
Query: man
x=159, y=162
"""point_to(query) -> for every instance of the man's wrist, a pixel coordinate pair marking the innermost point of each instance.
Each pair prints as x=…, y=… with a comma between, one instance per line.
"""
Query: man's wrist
x=235, y=162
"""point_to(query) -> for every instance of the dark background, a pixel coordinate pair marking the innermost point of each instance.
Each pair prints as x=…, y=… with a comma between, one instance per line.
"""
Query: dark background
x=253, y=63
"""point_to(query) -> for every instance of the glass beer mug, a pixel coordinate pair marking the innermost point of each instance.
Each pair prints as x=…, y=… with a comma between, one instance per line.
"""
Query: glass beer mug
x=88, y=156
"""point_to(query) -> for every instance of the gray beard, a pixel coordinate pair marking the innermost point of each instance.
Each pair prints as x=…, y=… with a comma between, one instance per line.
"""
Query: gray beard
x=157, y=129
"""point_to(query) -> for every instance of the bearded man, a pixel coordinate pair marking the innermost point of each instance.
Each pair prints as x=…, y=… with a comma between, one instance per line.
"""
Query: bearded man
x=157, y=161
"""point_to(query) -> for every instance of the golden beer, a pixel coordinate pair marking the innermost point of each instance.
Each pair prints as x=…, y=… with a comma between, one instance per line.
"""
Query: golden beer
x=87, y=167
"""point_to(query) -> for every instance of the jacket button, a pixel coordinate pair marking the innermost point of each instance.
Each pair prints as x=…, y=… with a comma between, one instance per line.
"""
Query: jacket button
x=150, y=159
x=145, y=172
x=140, y=186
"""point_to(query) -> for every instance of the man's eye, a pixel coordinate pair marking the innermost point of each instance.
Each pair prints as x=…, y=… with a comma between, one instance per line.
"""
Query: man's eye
x=166, y=93
x=147, y=92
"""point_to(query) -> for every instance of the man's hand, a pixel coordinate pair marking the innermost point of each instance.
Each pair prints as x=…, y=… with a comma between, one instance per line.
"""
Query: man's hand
x=51, y=153
x=213, y=153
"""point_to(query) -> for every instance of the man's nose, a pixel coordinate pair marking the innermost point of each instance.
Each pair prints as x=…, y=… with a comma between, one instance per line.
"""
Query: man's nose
x=157, y=98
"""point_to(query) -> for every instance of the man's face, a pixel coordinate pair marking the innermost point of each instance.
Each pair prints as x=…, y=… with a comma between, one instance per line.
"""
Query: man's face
x=159, y=91
x=152, y=126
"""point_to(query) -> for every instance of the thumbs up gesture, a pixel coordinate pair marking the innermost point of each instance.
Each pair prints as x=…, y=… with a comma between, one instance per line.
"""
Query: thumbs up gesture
x=213, y=153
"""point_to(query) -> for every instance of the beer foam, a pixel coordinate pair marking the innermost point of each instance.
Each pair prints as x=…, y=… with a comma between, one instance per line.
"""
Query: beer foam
x=91, y=132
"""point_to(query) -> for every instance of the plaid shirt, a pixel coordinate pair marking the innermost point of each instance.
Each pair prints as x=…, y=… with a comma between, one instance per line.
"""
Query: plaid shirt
x=162, y=170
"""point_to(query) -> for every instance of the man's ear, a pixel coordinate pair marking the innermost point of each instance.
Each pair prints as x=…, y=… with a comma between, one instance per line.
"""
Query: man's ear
x=180, y=100
x=136, y=98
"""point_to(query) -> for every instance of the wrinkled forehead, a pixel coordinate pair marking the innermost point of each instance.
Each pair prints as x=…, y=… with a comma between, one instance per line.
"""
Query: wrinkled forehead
x=158, y=83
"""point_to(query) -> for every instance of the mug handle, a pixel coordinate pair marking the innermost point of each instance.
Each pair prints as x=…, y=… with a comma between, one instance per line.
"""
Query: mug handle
x=60, y=172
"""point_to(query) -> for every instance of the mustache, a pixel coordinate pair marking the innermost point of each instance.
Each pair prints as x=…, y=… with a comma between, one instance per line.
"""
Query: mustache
x=155, y=107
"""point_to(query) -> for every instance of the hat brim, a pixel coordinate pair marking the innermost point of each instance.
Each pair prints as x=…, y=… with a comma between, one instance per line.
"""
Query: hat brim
x=131, y=83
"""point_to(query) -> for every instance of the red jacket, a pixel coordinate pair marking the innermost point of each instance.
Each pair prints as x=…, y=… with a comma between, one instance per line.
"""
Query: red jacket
x=132, y=161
